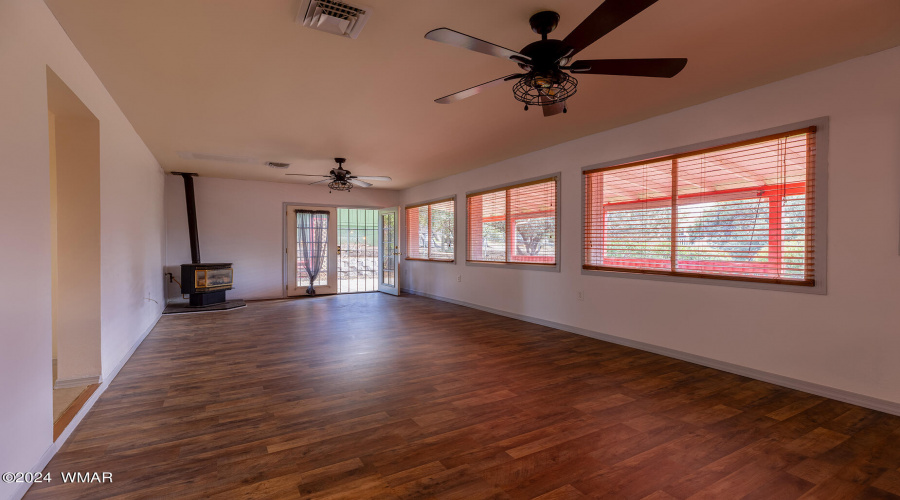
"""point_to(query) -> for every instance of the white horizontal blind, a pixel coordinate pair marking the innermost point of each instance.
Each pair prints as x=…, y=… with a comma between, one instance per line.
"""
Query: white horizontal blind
x=515, y=224
x=430, y=231
x=741, y=211
x=441, y=221
x=417, y=232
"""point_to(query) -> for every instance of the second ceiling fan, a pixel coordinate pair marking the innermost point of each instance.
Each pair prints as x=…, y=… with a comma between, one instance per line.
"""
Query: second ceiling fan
x=339, y=179
x=545, y=82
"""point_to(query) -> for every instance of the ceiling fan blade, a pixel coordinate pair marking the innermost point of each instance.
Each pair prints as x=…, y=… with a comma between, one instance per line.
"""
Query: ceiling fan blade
x=323, y=181
x=608, y=16
x=310, y=175
x=659, y=68
x=372, y=177
x=448, y=36
x=359, y=183
x=554, y=109
x=469, y=92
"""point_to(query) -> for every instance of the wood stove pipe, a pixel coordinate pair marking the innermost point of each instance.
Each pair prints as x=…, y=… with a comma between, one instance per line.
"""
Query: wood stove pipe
x=191, y=214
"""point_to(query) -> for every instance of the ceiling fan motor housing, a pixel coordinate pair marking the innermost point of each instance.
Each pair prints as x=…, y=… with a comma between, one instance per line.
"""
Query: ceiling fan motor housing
x=340, y=174
x=545, y=54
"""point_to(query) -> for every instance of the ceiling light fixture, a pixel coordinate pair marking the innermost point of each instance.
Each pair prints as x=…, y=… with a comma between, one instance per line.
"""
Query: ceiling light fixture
x=544, y=88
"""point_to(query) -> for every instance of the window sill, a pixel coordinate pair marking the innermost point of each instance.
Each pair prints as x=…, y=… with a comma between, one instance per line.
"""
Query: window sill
x=530, y=266
x=445, y=261
x=799, y=287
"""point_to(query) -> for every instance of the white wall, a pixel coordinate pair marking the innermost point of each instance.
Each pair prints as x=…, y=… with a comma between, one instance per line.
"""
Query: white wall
x=132, y=227
x=243, y=222
x=848, y=339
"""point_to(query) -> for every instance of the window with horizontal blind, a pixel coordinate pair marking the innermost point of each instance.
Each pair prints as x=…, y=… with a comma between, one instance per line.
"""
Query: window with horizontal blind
x=741, y=211
x=430, y=230
x=514, y=224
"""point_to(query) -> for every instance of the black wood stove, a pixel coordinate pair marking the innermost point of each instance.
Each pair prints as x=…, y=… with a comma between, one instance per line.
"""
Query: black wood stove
x=205, y=283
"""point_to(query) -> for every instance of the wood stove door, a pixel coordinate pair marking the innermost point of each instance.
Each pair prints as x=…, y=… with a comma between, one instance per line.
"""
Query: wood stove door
x=389, y=251
x=322, y=223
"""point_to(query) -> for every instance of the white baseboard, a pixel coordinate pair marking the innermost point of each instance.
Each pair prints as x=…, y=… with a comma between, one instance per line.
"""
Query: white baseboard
x=51, y=451
x=801, y=385
x=65, y=383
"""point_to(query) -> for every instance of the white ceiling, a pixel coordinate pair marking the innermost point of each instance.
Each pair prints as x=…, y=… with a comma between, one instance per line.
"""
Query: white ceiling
x=241, y=78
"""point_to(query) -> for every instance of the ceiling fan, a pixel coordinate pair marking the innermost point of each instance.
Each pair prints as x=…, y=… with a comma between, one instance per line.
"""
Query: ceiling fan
x=545, y=82
x=341, y=180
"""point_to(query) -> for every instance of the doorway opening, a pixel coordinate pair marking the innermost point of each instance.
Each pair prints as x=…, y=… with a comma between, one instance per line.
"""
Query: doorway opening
x=348, y=250
x=74, y=144
x=357, y=249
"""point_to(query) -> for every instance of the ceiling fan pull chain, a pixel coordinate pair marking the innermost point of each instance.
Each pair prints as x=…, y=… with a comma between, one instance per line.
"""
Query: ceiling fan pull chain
x=526, y=107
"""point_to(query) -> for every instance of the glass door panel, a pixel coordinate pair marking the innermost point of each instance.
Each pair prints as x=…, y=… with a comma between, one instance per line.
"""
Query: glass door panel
x=316, y=229
x=357, y=250
x=388, y=251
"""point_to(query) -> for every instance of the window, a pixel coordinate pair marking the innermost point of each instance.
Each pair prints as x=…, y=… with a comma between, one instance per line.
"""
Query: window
x=741, y=211
x=515, y=224
x=430, y=231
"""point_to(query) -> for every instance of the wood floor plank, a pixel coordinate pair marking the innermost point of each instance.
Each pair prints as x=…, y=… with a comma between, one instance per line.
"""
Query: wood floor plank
x=889, y=482
x=567, y=492
x=69, y=413
x=370, y=396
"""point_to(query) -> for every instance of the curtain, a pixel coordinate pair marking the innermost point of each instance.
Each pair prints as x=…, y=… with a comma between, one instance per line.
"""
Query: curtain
x=312, y=236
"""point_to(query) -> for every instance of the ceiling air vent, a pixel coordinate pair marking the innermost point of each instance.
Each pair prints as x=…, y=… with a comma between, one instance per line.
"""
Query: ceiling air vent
x=189, y=155
x=275, y=164
x=331, y=16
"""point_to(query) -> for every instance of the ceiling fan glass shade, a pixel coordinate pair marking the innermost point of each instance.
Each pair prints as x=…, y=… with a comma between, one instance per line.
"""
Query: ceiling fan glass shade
x=545, y=88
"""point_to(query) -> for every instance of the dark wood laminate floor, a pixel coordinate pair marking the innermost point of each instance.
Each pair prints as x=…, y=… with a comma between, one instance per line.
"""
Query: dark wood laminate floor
x=372, y=396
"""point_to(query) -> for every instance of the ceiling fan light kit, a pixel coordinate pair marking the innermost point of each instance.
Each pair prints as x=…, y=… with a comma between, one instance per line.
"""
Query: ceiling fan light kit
x=536, y=89
x=340, y=186
x=546, y=82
